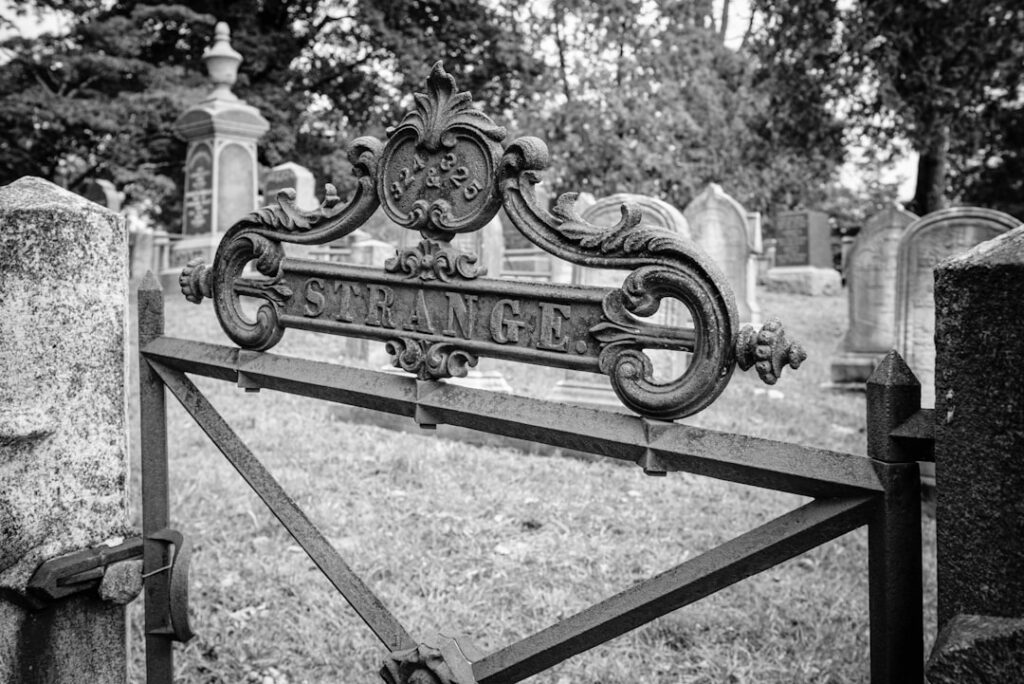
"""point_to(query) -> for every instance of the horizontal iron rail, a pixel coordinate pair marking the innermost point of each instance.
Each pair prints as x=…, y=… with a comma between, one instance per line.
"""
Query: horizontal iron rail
x=755, y=551
x=360, y=597
x=657, y=445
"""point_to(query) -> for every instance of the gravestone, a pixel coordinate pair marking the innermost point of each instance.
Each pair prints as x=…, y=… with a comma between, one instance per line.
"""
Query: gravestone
x=63, y=427
x=102, y=192
x=925, y=243
x=803, y=255
x=220, y=164
x=141, y=243
x=719, y=226
x=871, y=295
x=756, y=232
x=588, y=389
x=523, y=260
x=293, y=176
x=802, y=238
x=492, y=247
x=979, y=440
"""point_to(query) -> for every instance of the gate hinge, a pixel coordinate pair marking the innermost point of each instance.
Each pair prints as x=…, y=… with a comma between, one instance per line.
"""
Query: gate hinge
x=175, y=621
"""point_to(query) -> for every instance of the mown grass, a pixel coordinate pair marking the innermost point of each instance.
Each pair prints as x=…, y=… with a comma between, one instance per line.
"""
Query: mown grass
x=493, y=545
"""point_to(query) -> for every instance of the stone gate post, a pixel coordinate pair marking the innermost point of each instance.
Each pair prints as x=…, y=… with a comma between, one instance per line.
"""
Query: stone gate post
x=979, y=463
x=63, y=432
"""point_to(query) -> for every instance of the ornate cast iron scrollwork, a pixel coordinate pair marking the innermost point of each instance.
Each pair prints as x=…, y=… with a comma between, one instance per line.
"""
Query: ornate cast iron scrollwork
x=430, y=260
x=430, y=361
x=258, y=237
x=665, y=265
x=438, y=169
x=443, y=171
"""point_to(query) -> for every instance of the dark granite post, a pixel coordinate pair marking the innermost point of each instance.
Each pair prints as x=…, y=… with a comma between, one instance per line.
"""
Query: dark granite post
x=979, y=462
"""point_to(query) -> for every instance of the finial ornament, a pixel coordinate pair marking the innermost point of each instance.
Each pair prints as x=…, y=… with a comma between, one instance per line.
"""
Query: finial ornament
x=768, y=350
x=222, y=63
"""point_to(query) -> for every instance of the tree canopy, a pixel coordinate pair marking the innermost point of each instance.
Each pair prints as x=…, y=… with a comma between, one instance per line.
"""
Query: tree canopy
x=638, y=95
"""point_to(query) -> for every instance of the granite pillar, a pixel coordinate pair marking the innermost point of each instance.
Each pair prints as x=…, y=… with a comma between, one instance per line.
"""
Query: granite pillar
x=979, y=454
x=63, y=426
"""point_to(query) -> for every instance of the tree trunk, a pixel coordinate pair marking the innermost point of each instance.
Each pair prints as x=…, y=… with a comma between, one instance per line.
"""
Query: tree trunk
x=723, y=25
x=930, y=194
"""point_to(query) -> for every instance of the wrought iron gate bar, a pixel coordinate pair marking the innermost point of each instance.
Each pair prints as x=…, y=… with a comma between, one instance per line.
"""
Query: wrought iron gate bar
x=737, y=458
x=155, y=490
x=755, y=551
x=360, y=597
x=919, y=430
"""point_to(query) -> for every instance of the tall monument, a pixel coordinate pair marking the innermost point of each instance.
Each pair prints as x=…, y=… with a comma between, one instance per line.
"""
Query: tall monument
x=220, y=166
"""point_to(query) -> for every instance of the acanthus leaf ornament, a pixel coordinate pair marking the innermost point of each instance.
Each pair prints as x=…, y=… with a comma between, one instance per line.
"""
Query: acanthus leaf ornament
x=430, y=260
x=430, y=361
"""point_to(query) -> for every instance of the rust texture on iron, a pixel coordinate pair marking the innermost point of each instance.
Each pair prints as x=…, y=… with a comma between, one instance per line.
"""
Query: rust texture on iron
x=447, y=169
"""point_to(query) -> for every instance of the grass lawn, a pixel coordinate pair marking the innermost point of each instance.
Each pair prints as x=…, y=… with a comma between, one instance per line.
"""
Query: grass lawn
x=493, y=544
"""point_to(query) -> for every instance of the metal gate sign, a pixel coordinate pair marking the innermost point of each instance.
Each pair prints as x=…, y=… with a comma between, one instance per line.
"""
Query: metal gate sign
x=444, y=171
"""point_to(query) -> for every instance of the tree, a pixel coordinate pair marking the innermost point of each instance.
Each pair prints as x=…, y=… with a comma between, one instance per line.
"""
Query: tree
x=988, y=163
x=647, y=98
x=801, y=138
x=936, y=71
x=100, y=100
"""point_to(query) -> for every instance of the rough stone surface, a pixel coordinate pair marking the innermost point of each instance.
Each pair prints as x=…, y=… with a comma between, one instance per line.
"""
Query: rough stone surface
x=974, y=649
x=122, y=582
x=804, y=280
x=979, y=449
x=63, y=407
x=80, y=639
x=63, y=422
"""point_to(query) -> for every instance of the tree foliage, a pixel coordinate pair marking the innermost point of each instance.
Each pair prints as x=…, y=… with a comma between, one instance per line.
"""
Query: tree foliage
x=942, y=74
x=100, y=99
x=638, y=95
x=648, y=98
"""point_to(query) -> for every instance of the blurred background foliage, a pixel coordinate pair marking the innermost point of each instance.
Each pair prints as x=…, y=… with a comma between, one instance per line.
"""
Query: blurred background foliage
x=653, y=97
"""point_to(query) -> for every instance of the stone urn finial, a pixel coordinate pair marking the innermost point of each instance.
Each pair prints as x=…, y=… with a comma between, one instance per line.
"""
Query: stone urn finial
x=222, y=63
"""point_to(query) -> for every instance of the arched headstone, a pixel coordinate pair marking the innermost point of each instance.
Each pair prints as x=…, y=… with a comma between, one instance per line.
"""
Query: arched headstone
x=926, y=242
x=871, y=292
x=719, y=226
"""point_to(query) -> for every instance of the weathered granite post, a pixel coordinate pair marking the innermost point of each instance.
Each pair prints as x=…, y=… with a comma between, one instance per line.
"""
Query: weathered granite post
x=63, y=432
x=979, y=463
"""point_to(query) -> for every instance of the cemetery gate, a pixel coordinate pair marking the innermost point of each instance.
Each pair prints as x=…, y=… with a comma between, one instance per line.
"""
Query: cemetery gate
x=443, y=171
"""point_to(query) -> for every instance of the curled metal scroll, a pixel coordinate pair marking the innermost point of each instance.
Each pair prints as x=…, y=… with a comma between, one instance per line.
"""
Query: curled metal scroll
x=257, y=239
x=663, y=264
